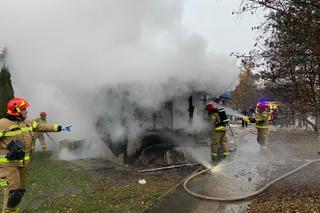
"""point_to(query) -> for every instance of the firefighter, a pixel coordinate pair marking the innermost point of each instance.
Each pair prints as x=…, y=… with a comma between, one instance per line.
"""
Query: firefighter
x=262, y=123
x=16, y=138
x=218, y=120
x=40, y=135
x=245, y=119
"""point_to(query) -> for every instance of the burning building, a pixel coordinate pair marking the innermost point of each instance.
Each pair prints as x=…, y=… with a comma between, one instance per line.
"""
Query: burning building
x=151, y=135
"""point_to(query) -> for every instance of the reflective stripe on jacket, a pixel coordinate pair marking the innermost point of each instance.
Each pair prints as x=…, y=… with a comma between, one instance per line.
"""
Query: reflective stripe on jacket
x=39, y=120
x=5, y=160
x=22, y=131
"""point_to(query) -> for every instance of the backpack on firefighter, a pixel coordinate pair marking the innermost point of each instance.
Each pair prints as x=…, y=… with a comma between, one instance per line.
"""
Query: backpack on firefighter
x=224, y=120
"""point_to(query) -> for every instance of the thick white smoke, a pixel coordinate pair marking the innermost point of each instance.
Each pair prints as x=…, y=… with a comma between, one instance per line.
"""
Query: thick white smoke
x=64, y=54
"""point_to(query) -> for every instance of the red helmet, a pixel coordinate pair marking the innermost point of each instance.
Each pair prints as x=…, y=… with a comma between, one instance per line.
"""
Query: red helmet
x=43, y=114
x=210, y=107
x=15, y=105
x=262, y=105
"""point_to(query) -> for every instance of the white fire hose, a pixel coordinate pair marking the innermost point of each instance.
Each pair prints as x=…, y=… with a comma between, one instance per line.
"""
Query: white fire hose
x=245, y=196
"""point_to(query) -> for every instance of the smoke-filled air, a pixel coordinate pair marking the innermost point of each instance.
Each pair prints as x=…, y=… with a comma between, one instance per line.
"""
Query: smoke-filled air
x=82, y=61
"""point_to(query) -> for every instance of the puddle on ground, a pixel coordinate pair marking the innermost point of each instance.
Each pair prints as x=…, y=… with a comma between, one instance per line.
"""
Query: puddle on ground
x=240, y=177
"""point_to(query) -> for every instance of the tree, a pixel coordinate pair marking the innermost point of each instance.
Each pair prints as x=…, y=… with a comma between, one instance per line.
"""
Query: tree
x=246, y=93
x=287, y=52
x=6, y=90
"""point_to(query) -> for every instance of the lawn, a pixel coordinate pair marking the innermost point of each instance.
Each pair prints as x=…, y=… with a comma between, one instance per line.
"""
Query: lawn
x=60, y=186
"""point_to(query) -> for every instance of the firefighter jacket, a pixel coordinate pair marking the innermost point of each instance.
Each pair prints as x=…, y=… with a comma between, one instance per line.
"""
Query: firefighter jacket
x=216, y=123
x=262, y=120
x=21, y=130
x=246, y=119
x=40, y=121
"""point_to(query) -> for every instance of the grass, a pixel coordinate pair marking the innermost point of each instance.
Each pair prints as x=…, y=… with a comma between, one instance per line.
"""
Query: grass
x=59, y=186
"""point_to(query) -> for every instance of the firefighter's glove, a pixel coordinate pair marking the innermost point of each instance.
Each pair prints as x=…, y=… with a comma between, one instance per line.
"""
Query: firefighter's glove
x=16, y=152
x=66, y=128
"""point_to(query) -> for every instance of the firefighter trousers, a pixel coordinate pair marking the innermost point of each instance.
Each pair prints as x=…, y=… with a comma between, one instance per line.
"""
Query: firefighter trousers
x=219, y=140
x=13, y=182
x=262, y=136
x=40, y=136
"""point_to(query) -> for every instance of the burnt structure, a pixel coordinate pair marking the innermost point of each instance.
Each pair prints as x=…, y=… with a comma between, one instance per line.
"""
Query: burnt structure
x=158, y=133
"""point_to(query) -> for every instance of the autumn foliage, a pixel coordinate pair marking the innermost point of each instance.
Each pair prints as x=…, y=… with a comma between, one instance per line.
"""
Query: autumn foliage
x=287, y=52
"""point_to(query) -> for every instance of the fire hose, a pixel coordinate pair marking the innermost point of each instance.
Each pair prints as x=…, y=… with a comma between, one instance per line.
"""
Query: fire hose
x=245, y=196
x=51, y=139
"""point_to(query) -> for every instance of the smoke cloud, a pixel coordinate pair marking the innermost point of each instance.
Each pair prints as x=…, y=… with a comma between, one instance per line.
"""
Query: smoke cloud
x=81, y=59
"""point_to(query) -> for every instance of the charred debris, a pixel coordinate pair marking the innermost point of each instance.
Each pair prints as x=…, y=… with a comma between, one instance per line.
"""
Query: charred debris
x=143, y=136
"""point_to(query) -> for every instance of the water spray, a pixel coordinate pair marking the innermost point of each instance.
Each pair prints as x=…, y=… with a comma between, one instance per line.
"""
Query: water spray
x=231, y=112
x=52, y=139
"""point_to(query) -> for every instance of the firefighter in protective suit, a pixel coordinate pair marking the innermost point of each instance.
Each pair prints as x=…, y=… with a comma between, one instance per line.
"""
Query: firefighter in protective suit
x=262, y=124
x=40, y=135
x=16, y=138
x=218, y=121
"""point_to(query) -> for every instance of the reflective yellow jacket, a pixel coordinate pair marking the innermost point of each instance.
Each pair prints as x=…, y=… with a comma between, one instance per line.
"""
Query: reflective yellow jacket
x=262, y=120
x=22, y=131
x=246, y=119
x=39, y=120
x=215, y=119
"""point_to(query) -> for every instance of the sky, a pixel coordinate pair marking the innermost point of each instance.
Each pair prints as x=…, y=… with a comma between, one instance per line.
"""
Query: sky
x=65, y=55
x=224, y=32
